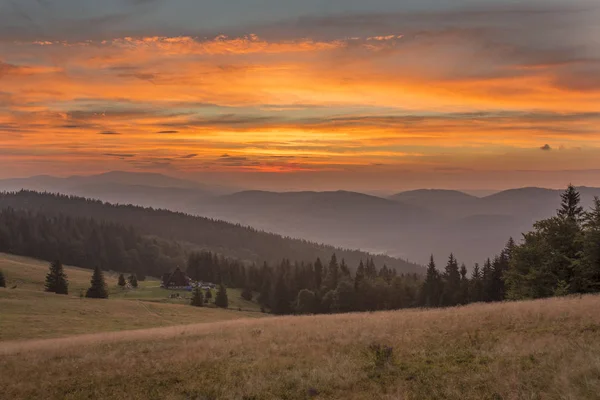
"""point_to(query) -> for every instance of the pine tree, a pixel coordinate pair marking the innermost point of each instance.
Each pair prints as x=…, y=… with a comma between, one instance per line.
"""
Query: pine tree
x=221, y=300
x=431, y=289
x=281, y=297
x=197, y=297
x=589, y=267
x=56, y=279
x=133, y=281
x=2, y=279
x=333, y=274
x=208, y=295
x=451, y=292
x=345, y=271
x=475, y=286
x=371, y=270
x=318, y=273
x=97, y=288
x=122, y=281
x=464, y=285
x=570, y=207
x=486, y=281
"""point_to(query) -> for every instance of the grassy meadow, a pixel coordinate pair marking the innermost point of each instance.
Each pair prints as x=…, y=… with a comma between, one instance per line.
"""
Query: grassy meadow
x=546, y=349
x=27, y=312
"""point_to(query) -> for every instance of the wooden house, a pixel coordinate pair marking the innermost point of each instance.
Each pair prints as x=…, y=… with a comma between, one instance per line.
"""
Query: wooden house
x=176, y=280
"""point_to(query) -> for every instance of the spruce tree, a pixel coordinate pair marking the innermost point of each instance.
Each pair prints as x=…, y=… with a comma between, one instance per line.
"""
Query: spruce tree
x=464, y=285
x=281, y=296
x=333, y=274
x=2, y=279
x=221, y=300
x=133, y=281
x=589, y=267
x=451, y=292
x=122, y=281
x=431, y=289
x=197, y=297
x=570, y=207
x=475, y=286
x=97, y=288
x=318, y=273
x=56, y=279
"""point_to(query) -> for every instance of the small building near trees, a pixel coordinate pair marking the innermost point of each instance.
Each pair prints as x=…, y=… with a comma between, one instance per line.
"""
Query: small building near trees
x=176, y=280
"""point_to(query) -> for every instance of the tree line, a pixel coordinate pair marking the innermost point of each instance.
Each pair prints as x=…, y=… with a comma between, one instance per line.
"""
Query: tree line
x=87, y=243
x=560, y=256
x=232, y=240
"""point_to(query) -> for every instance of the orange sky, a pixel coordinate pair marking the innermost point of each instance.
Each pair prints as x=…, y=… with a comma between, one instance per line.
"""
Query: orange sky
x=464, y=105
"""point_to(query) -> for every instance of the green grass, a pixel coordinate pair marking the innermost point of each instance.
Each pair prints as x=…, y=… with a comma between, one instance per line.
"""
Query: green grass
x=26, y=311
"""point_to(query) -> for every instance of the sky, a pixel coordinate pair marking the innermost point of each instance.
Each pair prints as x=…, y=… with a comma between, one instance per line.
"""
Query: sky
x=285, y=95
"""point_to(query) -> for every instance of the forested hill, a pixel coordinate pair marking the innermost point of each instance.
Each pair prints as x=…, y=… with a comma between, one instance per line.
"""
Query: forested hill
x=236, y=241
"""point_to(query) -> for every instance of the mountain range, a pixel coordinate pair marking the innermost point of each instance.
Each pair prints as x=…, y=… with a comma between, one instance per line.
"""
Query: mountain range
x=411, y=225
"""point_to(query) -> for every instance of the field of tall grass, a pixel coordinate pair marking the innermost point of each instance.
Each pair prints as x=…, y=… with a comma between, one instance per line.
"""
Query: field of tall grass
x=546, y=349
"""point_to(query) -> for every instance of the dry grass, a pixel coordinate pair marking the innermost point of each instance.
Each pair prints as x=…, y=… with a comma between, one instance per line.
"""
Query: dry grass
x=546, y=349
x=26, y=314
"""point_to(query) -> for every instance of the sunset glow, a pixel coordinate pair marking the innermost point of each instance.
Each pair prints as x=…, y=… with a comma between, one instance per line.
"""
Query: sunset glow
x=445, y=95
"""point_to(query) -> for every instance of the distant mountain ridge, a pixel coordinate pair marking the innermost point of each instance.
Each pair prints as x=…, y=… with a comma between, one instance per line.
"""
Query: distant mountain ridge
x=411, y=225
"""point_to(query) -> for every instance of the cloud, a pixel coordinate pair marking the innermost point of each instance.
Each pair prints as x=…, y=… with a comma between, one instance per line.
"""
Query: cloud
x=546, y=147
x=189, y=156
x=120, y=155
x=108, y=133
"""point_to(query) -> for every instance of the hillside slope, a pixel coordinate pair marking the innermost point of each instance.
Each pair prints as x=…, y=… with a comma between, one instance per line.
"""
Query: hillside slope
x=224, y=238
x=546, y=349
x=26, y=311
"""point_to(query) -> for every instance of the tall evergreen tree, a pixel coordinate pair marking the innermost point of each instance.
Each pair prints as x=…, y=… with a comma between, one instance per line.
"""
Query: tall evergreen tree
x=122, y=281
x=56, y=279
x=344, y=270
x=451, y=292
x=589, y=267
x=431, y=290
x=197, y=297
x=221, y=300
x=333, y=274
x=318, y=273
x=464, y=285
x=476, y=285
x=97, y=288
x=133, y=281
x=570, y=207
x=371, y=270
x=2, y=279
x=281, y=296
x=550, y=259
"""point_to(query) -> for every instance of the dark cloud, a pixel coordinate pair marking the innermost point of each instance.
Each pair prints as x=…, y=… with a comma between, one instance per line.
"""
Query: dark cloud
x=190, y=156
x=546, y=147
x=108, y=133
x=167, y=132
x=120, y=155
